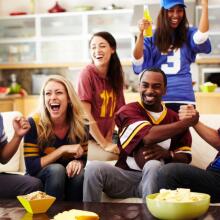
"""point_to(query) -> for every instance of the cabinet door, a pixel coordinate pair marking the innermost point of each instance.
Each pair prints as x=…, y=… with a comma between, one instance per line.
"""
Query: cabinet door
x=17, y=27
x=61, y=25
x=17, y=39
x=116, y=22
x=17, y=52
x=62, y=50
x=6, y=105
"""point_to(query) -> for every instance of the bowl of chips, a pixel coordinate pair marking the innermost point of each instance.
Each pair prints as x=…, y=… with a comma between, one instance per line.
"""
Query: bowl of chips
x=178, y=204
x=208, y=87
x=36, y=202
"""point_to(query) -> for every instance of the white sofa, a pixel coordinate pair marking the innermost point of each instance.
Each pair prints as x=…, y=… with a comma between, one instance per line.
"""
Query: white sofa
x=201, y=151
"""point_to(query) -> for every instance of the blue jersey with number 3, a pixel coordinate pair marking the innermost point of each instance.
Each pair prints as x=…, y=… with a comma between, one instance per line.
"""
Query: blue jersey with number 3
x=176, y=65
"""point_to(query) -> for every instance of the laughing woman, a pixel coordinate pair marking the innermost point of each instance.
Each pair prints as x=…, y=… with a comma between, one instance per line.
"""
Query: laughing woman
x=55, y=147
x=100, y=89
x=173, y=48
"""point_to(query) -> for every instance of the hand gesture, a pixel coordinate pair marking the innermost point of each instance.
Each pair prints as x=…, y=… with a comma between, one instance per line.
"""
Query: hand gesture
x=189, y=113
x=21, y=125
x=143, y=24
x=73, y=168
x=72, y=151
x=155, y=152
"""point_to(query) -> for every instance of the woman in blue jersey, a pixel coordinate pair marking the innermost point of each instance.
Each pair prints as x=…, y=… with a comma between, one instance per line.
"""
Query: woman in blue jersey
x=55, y=147
x=173, y=47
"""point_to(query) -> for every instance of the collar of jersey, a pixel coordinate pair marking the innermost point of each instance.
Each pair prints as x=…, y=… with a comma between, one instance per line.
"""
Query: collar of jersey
x=162, y=116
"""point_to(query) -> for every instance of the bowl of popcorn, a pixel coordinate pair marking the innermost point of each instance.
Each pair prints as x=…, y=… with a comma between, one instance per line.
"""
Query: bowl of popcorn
x=208, y=87
x=178, y=204
x=36, y=202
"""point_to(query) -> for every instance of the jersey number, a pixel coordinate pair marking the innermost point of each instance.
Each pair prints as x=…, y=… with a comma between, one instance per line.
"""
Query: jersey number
x=106, y=97
x=174, y=59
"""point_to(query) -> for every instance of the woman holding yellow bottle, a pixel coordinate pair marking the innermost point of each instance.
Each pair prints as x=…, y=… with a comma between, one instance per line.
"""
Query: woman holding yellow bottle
x=172, y=48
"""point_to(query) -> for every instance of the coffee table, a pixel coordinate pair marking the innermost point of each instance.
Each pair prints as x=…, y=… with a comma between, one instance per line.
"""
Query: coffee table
x=12, y=210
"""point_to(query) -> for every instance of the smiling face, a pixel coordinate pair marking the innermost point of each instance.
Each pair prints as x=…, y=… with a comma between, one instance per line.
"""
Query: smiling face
x=56, y=99
x=100, y=51
x=151, y=89
x=175, y=15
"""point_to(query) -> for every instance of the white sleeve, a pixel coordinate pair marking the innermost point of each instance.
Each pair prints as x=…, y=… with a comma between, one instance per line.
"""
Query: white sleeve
x=137, y=62
x=200, y=38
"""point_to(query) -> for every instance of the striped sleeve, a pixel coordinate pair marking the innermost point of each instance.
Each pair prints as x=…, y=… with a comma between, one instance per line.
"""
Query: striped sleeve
x=133, y=134
x=32, y=150
x=181, y=144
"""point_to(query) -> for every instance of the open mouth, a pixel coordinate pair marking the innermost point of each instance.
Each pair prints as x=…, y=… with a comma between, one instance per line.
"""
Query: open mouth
x=55, y=107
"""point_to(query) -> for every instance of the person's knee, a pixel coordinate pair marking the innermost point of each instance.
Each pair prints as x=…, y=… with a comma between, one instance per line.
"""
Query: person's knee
x=56, y=170
x=93, y=170
x=152, y=166
x=167, y=174
x=31, y=184
x=36, y=184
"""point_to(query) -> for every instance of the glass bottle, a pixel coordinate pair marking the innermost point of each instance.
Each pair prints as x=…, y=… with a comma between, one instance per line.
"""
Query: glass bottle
x=148, y=32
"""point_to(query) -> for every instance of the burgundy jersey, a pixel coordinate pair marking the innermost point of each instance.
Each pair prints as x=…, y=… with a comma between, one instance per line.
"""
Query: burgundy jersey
x=97, y=91
x=134, y=123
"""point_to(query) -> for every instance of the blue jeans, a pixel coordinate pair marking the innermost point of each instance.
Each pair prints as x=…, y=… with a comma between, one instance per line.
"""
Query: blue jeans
x=180, y=175
x=58, y=184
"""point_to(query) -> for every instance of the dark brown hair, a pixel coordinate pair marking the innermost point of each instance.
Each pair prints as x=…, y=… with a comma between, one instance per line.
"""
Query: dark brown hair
x=115, y=73
x=165, y=36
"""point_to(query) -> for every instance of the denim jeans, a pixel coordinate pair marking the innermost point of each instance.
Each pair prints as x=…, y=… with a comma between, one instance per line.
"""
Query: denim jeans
x=58, y=184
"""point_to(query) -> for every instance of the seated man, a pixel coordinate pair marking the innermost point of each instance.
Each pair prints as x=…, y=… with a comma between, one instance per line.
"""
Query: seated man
x=141, y=124
x=12, y=185
x=173, y=176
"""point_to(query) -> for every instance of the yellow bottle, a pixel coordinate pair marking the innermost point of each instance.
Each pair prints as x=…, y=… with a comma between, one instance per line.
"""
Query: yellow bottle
x=147, y=32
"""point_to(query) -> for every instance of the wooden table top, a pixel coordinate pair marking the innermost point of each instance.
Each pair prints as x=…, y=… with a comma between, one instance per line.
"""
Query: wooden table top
x=12, y=210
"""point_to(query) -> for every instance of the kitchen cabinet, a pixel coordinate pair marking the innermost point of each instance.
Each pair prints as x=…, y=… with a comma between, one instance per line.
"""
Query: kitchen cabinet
x=11, y=104
x=61, y=37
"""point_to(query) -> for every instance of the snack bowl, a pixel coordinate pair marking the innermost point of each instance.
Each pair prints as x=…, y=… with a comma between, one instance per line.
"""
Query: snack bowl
x=35, y=204
x=208, y=87
x=177, y=210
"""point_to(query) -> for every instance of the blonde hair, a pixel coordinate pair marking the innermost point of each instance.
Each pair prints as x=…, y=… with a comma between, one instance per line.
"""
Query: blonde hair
x=75, y=115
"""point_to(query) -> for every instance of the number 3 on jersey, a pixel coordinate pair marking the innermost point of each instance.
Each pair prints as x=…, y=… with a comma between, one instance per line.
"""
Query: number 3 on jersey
x=173, y=59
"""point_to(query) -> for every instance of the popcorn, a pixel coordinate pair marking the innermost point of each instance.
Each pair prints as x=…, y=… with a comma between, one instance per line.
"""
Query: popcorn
x=36, y=195
x=178, y=195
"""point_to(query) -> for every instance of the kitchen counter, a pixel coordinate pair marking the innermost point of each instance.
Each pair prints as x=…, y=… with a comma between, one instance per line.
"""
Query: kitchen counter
x=51, y=65
x=208, y=102
x=208, y=60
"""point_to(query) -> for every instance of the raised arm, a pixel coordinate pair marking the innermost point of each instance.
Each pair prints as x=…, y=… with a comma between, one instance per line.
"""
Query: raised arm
x=139, y=45
x=204, y=21
x=21, y=126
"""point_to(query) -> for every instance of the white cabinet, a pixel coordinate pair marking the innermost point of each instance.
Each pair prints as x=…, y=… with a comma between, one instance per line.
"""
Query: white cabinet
x=61, y=37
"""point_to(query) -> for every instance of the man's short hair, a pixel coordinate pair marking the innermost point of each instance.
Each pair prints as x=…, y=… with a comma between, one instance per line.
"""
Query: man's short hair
x=154, y=69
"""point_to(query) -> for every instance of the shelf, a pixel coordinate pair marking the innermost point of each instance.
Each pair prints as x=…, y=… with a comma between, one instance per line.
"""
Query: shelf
x=44, y=38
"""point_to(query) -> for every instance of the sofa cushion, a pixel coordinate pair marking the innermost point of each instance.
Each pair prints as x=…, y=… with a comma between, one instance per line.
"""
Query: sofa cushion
x=202, y=152
x=14, y=164
x=95, y=152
